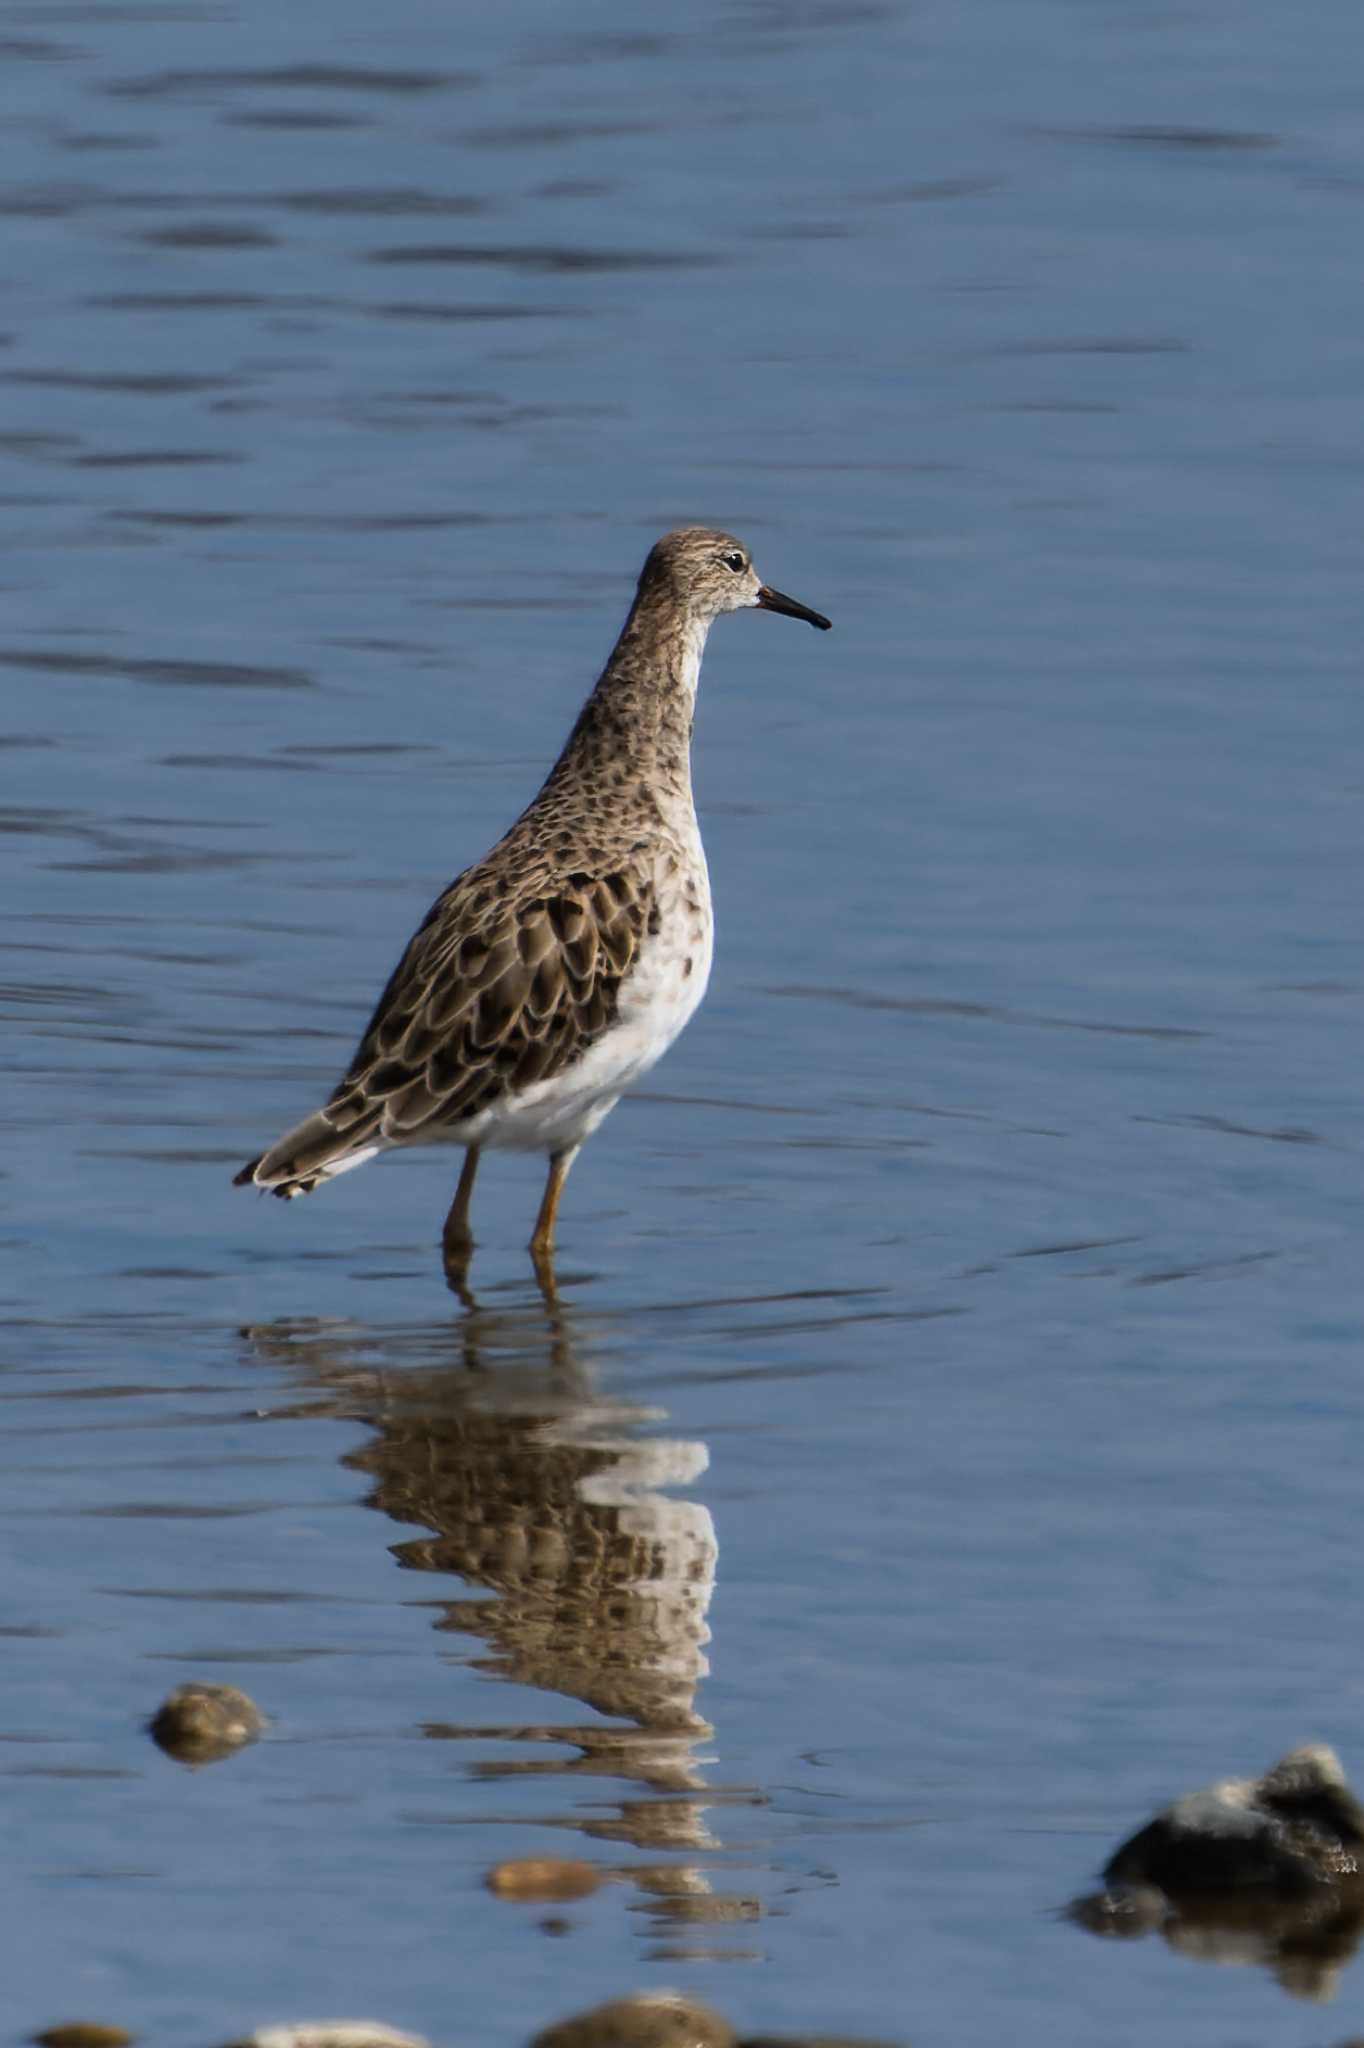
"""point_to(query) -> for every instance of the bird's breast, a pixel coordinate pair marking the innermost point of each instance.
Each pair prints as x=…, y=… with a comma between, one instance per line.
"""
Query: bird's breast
x=672, y=967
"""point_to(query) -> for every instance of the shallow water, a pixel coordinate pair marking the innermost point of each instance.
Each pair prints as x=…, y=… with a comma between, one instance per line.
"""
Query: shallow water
x=943, y=1449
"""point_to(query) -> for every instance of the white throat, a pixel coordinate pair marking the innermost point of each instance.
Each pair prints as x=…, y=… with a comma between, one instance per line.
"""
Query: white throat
x=693, y=647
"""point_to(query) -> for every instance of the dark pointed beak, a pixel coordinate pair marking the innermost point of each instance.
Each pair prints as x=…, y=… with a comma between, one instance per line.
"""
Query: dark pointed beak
x=777, y=601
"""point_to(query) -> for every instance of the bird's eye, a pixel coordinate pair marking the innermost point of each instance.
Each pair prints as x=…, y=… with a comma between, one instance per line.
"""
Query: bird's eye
x=733, y=560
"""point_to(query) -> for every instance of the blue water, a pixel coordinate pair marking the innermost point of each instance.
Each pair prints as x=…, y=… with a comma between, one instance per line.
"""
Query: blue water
x=944, y=1448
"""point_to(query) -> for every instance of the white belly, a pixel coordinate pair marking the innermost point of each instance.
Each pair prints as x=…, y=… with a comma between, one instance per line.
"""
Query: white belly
x=656, y=999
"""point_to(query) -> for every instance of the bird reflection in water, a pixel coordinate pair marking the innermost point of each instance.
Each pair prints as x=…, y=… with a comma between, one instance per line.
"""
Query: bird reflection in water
x=488, y=1433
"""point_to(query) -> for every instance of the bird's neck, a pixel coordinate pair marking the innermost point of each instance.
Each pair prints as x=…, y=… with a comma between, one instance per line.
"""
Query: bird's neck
x=639, y=717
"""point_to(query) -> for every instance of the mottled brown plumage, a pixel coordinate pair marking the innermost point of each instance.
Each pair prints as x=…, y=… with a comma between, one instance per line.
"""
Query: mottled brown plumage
x=558, y=968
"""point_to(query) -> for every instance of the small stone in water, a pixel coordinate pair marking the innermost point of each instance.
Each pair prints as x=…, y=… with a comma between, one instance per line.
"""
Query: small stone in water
x=652, y=2019
x=543, y=1879
x=83, y=2034
x=198, y=1724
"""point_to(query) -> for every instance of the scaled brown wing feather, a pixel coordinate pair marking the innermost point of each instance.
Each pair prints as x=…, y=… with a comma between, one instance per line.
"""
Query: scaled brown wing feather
x=489, y=997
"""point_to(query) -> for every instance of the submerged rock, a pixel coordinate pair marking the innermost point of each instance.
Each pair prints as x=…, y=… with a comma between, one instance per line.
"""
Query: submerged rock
x=198, y=1724
x=651, y=2019
x=1297, y=1827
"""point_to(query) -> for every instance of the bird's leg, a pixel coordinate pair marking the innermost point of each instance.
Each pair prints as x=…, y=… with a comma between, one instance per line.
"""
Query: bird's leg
x=542, y=1238
x=457, y=1239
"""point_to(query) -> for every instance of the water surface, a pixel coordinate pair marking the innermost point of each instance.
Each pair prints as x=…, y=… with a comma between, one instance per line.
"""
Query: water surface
x=942, y=1450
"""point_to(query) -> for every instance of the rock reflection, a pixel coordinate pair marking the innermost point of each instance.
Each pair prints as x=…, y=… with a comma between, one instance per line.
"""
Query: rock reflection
x=490, y=1435
x=1305, y=1944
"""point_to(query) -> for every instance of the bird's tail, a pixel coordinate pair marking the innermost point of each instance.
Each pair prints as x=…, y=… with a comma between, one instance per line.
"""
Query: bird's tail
x=310, y=1153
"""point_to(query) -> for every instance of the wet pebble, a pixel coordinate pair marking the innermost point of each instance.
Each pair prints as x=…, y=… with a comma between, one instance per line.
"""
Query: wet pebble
x=198, y=1724
x=546, y=1880
x=650, y=2019
x=83, y=2034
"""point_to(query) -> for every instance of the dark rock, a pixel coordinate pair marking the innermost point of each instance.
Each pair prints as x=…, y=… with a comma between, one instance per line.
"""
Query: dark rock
x=83, y=2034
x=198, y=1724
x=1297, y=1827
x=1265, y=1870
